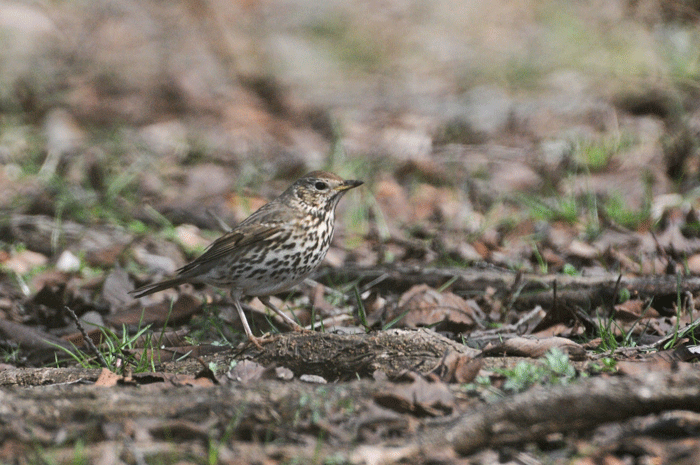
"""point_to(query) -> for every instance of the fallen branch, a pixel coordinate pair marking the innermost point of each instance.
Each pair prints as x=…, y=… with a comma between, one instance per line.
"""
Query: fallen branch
x=576, y=291
x=534, y=414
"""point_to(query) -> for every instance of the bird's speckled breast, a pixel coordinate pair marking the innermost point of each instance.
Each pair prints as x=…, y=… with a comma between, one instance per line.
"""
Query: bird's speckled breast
x=280, y=261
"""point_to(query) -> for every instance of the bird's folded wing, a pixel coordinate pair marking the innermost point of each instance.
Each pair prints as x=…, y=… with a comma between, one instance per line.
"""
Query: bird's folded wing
x=232, y=243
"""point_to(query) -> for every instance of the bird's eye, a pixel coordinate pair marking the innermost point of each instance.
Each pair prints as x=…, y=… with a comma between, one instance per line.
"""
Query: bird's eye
x=320, y=185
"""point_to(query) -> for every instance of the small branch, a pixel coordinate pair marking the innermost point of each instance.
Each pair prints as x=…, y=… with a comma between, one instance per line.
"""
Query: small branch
x=220, y=223
x=86, y=338
x=514, y=292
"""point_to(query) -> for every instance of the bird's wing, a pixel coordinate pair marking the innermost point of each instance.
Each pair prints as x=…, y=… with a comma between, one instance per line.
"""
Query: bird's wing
x=230, y=244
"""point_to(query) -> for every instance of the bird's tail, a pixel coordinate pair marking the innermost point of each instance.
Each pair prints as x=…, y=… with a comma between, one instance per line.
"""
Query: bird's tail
x=156, y=287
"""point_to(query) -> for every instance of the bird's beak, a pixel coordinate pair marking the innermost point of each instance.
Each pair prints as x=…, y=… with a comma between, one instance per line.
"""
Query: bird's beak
x=346, y=185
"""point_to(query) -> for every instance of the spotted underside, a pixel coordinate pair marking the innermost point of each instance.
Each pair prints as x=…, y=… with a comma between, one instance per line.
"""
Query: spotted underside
x=276, y=263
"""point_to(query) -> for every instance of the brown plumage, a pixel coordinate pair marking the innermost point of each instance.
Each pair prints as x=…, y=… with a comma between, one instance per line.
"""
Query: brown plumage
x=273, y=249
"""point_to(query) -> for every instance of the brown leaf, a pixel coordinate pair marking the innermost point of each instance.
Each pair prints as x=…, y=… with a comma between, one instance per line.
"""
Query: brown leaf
x=693, y=264
x=458, y=368
x=558, y=329
x=78, y=340
x=633, y=310
x=246, y=371
x=536, y=348
x=665, y=360
x=157, y=379
x=424, y=202
x=166, y=339
x=420, y=398
x=187, y=380
x=25, y=261
x=582, y=250
x=183, y=308
x=107, y=378
x=552, y=258
x=189, y=236
x=178, y=430
x=629, y=311
x=391, y=197
x=467, y=369
x=425, y=306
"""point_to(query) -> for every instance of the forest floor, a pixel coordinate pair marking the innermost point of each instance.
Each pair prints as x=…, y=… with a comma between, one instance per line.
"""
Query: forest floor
x=514, y=283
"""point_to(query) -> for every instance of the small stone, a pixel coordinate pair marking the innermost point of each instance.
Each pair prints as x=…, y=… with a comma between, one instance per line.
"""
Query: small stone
x=468, y=253
x=284, y=374
x=68, y=262
x=92, y=319
x=155, y=263
x=314, y=379
x=582, y=250
x=554, y=153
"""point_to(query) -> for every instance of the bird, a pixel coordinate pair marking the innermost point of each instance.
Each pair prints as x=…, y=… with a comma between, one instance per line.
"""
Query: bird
x=272, y=250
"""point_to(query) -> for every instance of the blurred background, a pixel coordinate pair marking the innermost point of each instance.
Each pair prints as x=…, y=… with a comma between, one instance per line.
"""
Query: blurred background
x=528, y=133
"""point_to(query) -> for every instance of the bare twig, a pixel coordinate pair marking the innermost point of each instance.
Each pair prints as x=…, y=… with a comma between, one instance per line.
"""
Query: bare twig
x=514, y=292
x=88, y=340
x=222, y=225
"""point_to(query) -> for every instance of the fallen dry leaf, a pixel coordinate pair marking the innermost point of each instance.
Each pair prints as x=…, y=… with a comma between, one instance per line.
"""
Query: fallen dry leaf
x=458, y=368
x=246, y=371
x=159, y=313
x=634, y=309
x=25, y=261
x=107, y=378
x=536, y=348
x=420, y=398
x=425, y=306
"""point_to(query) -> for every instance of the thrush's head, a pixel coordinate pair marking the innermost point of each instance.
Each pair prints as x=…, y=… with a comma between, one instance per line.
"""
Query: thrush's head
x=320, y=190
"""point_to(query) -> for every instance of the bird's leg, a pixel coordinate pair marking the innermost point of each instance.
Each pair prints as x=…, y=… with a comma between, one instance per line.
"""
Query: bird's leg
x=237, y=303
x=266, y=301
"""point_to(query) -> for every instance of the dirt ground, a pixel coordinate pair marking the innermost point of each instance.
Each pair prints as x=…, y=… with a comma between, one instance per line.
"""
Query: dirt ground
x=515, y=282
x=383, y=396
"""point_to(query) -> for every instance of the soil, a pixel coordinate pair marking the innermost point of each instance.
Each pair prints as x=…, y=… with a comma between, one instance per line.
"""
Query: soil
x=515, y=281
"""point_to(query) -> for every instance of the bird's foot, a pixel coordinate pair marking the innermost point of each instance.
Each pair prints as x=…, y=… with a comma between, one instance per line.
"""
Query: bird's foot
x=264, y=339
x=256, y=341
x=301, y=329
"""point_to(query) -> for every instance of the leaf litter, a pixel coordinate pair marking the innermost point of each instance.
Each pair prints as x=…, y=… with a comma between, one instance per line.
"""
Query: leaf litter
x=493, y=321
x=446, y=320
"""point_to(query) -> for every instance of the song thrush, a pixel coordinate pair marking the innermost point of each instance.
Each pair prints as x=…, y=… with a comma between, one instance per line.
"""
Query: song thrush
x=273, y=249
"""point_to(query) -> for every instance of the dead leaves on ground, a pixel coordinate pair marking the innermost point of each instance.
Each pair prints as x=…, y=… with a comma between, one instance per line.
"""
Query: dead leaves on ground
x=423, y=306
x=432, y=386
x=421, y=397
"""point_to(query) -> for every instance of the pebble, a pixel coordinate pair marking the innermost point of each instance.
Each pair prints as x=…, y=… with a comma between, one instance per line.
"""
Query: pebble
x=68, y=262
